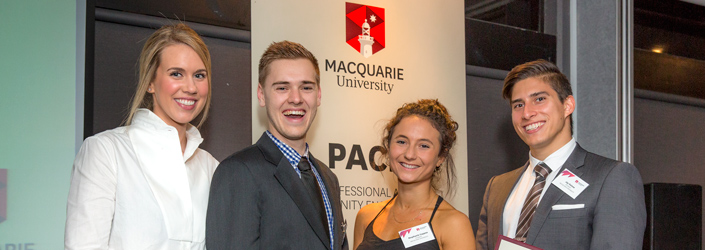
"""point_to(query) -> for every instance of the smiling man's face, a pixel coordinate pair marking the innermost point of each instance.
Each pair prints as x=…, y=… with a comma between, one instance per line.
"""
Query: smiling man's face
x=291, y=96
x=539, y=117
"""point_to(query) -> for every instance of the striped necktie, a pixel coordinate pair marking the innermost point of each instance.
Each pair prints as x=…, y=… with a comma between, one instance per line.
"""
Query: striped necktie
x=532, y=200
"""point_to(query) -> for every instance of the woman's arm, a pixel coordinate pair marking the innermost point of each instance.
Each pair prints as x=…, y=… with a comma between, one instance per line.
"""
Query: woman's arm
x=91, y=201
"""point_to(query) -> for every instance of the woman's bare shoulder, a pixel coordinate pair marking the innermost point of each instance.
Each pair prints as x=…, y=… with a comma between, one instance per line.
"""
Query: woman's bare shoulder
x=453, y=228
x=371, y=210
x=364, y=218
x=448, y=214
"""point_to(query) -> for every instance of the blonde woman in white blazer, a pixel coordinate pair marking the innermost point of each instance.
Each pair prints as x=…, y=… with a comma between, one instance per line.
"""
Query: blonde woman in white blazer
x=145, y=185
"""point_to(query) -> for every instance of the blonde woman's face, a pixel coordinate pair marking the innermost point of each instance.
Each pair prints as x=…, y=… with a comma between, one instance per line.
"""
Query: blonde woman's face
x=180, y=85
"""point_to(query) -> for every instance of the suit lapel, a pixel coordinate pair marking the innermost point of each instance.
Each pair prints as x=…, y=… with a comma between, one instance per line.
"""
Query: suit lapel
x=291, y=183
x=553, y=194
x=504, y=190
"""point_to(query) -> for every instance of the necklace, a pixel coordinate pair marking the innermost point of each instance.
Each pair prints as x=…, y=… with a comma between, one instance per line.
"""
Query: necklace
x=394, y=216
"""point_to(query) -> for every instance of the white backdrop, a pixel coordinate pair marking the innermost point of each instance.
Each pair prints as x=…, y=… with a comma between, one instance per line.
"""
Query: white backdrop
x=422, y=57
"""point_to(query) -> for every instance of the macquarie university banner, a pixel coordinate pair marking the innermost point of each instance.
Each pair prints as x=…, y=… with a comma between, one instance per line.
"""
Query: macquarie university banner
x=373, y=56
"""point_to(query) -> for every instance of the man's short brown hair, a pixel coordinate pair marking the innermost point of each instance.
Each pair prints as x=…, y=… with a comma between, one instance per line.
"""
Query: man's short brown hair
x=285, y=50
x=541, y=69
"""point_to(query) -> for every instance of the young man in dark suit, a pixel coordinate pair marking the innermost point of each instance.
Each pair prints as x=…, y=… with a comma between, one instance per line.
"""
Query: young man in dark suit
x=563, y=197
x=275, y=194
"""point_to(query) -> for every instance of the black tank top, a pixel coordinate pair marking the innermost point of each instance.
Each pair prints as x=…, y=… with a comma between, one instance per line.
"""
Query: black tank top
x=370, y=241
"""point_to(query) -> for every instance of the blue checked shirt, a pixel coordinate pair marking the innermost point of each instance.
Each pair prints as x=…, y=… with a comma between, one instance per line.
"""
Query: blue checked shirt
x=294, y=158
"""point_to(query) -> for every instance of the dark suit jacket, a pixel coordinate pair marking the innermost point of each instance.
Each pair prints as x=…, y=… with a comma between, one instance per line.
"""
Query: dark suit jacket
x=257, y=201
x=614, y=216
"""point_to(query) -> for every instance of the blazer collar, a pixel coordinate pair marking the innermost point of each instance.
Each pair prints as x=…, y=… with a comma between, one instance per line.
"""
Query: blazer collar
x=272, y=154
x=504, y=189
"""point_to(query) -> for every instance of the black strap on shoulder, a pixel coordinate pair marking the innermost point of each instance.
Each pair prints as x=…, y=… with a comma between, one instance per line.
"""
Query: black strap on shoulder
x=438, y=204
x=385, y=205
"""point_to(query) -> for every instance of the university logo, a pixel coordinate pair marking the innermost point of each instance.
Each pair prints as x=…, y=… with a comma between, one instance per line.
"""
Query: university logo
x=364, y=27
x=3, y=195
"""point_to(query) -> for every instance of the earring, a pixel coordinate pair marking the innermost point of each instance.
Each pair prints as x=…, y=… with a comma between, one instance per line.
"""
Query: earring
x=150, y=89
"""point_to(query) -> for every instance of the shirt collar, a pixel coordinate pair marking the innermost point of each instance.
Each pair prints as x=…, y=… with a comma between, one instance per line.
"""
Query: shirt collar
x=291, y=155
x=555, y=160
x=145, y=117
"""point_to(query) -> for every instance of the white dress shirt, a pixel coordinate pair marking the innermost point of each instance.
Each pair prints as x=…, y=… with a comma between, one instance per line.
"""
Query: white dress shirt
x=132, y=188
x=512, y=209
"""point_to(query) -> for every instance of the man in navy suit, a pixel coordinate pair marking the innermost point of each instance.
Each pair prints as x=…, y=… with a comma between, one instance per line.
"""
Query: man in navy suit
x=563, y=197
x=275, y=194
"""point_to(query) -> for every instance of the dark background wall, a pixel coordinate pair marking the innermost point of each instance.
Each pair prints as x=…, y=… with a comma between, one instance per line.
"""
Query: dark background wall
x=669, y=138
x=669, y=103
x=493, y=145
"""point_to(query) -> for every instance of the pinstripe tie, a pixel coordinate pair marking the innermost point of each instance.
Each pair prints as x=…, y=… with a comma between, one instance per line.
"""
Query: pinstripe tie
x=532, y=200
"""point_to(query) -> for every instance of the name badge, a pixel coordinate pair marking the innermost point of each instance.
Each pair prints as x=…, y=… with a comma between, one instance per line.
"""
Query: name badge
x=570, y=183
x=416, y=235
